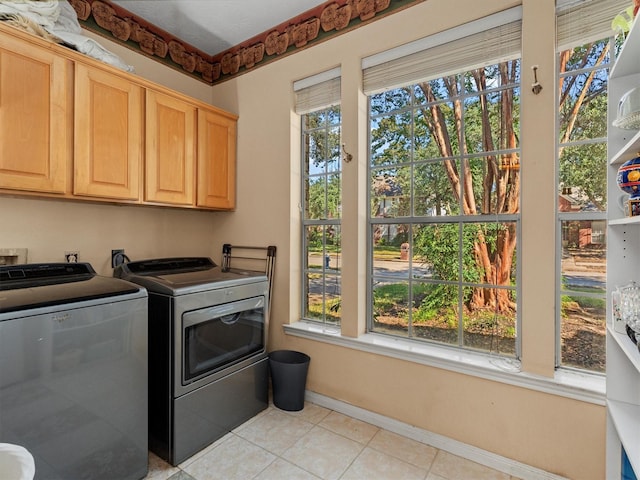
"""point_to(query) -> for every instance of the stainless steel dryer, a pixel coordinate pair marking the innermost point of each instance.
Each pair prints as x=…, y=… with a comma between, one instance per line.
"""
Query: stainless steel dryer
x=208, y=370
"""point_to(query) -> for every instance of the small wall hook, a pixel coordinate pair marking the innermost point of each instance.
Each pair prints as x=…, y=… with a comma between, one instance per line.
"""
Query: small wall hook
x=536, y=88
x=346, y=156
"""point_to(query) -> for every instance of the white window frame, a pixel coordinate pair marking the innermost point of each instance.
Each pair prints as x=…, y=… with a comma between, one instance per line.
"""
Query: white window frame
x=578, y=23
x=483, y=42
x=570, y=384
x=314, y=94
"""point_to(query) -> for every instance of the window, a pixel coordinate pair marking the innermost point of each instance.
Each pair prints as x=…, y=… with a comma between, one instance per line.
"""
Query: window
x=583, y=69
x=444, y=176
x=443, y=210
x=322, y=200
x=444, y=188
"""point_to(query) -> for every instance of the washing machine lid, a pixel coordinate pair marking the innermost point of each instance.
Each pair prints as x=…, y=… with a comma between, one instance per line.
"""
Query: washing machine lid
x=184, y=275
x=36, y=285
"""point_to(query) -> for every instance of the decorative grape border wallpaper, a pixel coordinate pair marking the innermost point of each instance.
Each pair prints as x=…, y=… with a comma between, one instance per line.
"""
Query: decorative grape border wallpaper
x=316, y=25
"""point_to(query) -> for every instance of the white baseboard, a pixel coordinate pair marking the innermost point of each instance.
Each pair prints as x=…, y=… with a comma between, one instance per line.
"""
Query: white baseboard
x=475, y=454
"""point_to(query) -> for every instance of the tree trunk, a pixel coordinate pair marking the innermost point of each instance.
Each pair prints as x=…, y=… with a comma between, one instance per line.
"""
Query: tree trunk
x=503, y=184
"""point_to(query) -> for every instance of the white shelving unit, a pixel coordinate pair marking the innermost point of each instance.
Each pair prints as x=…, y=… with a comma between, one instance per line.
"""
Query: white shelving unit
x=623, y=266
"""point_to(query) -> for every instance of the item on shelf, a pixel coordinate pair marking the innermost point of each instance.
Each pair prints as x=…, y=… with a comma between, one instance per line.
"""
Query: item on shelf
x=57, y=21
x=622, y=202
x=616, y=314
x=628, y=116
x=628, y=180
x=630, y=306
x=631, y=334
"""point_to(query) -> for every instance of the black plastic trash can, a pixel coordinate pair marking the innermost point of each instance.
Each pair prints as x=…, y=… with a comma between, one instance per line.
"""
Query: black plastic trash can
x=288, y=378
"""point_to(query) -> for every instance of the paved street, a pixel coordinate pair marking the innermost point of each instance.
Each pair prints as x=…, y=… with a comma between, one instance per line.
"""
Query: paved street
x=575, y=278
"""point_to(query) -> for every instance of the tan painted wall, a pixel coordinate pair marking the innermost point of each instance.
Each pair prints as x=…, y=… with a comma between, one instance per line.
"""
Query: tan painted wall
x=564, y=436
x=557, y=434
x=49, y=228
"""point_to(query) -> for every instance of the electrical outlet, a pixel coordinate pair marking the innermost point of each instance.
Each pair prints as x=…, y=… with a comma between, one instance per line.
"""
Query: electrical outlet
x=117, y=257
x=71, y=257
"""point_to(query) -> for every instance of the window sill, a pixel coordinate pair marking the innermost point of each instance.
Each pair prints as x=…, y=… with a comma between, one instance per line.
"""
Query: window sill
x=581, y=386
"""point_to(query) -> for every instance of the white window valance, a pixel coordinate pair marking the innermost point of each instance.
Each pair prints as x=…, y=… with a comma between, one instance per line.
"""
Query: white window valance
x=486, y=41
x=584, y=21
x=318, y=91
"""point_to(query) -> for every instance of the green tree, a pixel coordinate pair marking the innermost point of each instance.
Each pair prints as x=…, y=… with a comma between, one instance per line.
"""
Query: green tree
x=321, y=176
x=483, y=121
x=583, y=106
x=490, y=184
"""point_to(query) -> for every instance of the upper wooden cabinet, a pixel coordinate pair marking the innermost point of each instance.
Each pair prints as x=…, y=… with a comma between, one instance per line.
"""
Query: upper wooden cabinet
x=170, y=154
x=35, y=118
x=216, y=160
x=108, y=134
x=74, y=127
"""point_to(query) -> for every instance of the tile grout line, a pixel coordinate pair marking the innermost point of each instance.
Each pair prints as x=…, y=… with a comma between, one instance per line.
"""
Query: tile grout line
x=312, y=420
x=361, y=451
x=275, y=455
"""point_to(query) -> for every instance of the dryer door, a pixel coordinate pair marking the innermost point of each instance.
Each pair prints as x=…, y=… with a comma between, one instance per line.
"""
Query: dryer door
x=216, y=337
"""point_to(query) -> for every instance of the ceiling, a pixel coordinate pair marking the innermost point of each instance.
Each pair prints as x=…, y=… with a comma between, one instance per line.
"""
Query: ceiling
x=214, y=26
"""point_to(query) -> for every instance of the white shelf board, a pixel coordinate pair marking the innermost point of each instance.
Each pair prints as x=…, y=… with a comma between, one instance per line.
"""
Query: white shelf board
x=629, y=151
x=627, y=62
x=625, y=221
x=628, y=347
x=626, y=419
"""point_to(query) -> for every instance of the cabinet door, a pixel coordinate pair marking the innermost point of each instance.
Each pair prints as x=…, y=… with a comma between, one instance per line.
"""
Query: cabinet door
x=109, y=135
x=35, y=118
x=170, y=150
x=216, y=160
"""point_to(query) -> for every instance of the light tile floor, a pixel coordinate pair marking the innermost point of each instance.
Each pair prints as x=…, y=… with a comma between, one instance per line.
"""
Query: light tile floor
x=317, y=443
